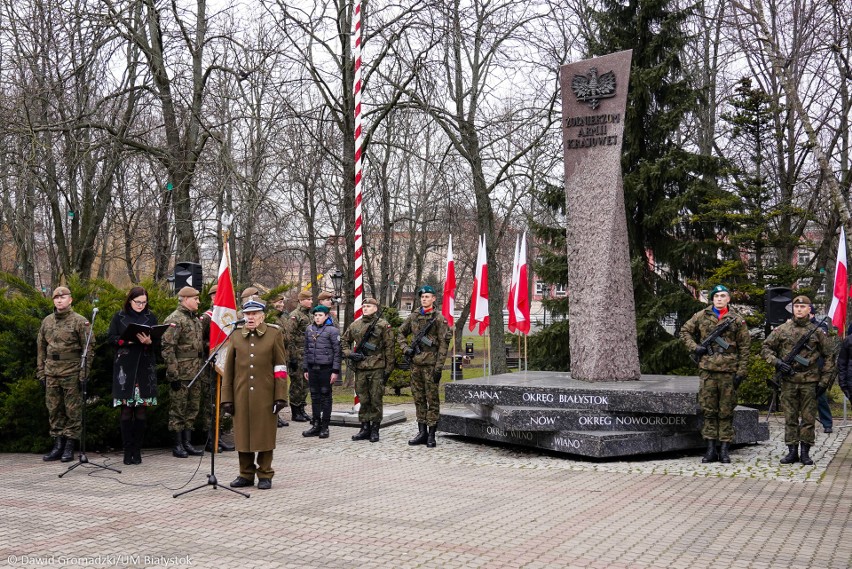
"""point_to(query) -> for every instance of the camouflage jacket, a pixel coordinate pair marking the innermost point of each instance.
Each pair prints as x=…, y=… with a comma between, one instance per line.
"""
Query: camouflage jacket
x=378, y=348
x=299, y=321
x=781, y=341
x=183, y=345
x=437, y=339
x=734, y=359
x=61, y=339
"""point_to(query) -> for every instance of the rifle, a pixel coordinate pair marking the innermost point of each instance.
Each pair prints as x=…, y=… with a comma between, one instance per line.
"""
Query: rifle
x=364, y=344
x=714, y=336
x=420, y=338
x=794, y=357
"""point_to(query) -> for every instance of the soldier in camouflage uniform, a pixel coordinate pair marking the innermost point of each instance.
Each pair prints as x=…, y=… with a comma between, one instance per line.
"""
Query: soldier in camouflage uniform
x=209, y=379
x=183, y=352
x=327, y=299
x=281, y=319
x=803, y=380
x=61, y=340
x=427, y=362
x=721, y=370
x=372, y=358
x=299, y=320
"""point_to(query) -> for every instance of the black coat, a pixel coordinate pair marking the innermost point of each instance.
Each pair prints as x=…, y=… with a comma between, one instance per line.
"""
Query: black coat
x=844, y=370
x=135, y=363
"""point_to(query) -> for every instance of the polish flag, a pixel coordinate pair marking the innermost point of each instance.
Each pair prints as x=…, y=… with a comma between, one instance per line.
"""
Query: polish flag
x=521, y=307
x=448, y=304
x=224, y=303
x=837, y=311
x=513, y=289
x=479, y=300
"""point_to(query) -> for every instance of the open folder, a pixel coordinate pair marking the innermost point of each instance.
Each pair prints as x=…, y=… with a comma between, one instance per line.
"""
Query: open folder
x=154, y=331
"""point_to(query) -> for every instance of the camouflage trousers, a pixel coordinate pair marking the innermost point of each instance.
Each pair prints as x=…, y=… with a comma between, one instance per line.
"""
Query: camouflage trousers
x=798, y=400
x=64, y=406
x=298, y=386
x=184, y=405
x=425, y=392
x=717, y=399
x=371, y=392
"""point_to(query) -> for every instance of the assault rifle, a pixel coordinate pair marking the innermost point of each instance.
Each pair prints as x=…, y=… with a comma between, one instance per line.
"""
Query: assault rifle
x=419, y=339
x=794, y=357
x=358, y=354
x=714, y=336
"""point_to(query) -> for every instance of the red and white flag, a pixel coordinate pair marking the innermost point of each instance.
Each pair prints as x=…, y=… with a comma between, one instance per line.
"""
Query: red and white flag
x=448, y=303
x=224, y=303
x=521, y=307
x=513, y=289
x=479, y=300
x=837, y=311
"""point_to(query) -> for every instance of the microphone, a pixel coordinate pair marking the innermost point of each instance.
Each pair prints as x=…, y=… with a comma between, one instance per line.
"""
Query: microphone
x=236, y=322
x=94, y=311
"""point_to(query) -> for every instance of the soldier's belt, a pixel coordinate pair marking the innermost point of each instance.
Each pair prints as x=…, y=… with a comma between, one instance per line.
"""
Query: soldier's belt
x=188, y=355
x=65, y=356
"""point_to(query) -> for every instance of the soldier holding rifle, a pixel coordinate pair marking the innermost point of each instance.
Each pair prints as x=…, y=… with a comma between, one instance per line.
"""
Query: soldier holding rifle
x=718, y=340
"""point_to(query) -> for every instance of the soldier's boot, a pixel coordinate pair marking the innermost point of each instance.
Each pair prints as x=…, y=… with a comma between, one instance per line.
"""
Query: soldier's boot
x=191, y=450
x=68, y=452
x=178, y=450
x=792, y=455
x=363, y=434
x=297, y=414
x=805, y=456
x=323, y=434
x=430, y=438
x=127, y=440
x=56, y=452
x=225, y=446
x=303, y=414
x=282, y=423
x=374, y=431
x=724, y=457
x=422, y=435
x=314, y=430
x=710, y=455
x=138, y=436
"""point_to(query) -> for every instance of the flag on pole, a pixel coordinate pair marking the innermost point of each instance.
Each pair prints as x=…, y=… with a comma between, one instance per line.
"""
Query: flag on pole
x=224, y=302
x=479, y=300
x=448, y=304
x=522, y=295
x=513, y=289
x=837, y=311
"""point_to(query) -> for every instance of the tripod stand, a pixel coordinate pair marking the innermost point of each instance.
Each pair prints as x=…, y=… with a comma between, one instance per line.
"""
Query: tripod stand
x=82, y=458
x=214, y=425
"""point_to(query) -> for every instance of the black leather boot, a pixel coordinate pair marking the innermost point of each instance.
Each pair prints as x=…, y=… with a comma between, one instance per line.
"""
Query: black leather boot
x=374, y=431
x=303, y=414
x=323, y=434
x=282, y=423
x=724, y=457
x=138, y=436
x=422, y=435
x=792, y=455
x=68, y=452
x=56, y=452
x=126, y=426
x=187, y=437
x=430, y=438
x=178, y=450
x=296, y=414
x=710, y=455
x=805, y=456
x=314, y=430
x=225, y=446
x=363, y=434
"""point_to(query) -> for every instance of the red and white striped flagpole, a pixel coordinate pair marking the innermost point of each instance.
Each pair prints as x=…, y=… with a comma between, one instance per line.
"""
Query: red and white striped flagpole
x=359, y=140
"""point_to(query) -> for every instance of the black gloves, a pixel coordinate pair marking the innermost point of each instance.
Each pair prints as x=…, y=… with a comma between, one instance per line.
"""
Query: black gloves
x=700, y=350
x=42, y=381
x=783, y=367
x=820, y=389
x=175, y=385
x=408, y=352
x=277, y=406
x=436, y=376
x=228, y=408
x=738, y=380
x=357, y=357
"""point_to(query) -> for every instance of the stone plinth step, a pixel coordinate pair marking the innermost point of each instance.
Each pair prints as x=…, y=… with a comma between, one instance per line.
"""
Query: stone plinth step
x=350, y=419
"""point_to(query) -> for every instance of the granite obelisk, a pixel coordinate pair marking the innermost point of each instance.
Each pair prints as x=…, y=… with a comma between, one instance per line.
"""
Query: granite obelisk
x=602, y=318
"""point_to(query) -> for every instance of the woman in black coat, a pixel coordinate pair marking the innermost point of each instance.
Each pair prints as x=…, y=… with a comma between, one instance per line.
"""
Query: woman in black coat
x=134, y=374
x=321, y=368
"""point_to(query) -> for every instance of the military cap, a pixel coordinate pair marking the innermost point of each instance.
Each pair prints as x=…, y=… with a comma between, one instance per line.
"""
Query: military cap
x=802, y=299
x=250, y=291
x=213, y=290
x=254, y=305
x=717, y=289
x=305, y=295
x=61, y=290
x=325, y=296
x=425, y=289
x=371, y=300
x=187, y=292
x=319, y=308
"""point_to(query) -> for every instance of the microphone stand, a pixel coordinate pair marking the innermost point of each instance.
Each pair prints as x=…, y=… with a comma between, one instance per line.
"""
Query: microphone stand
x=82, y=458
x=214, y=425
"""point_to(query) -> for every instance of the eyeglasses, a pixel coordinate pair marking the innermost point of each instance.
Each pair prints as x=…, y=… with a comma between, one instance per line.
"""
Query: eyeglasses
x=139, y=302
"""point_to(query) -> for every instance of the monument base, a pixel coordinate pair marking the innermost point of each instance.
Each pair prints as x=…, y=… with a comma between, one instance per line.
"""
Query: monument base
x=350, y=419
x=552, y=411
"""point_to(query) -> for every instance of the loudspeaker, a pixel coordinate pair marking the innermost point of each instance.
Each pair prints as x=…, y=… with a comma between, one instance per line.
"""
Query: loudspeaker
x=778, y=305
x=187, y=274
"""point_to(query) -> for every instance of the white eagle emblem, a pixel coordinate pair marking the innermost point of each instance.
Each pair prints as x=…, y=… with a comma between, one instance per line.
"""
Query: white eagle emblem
x=590, y=88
